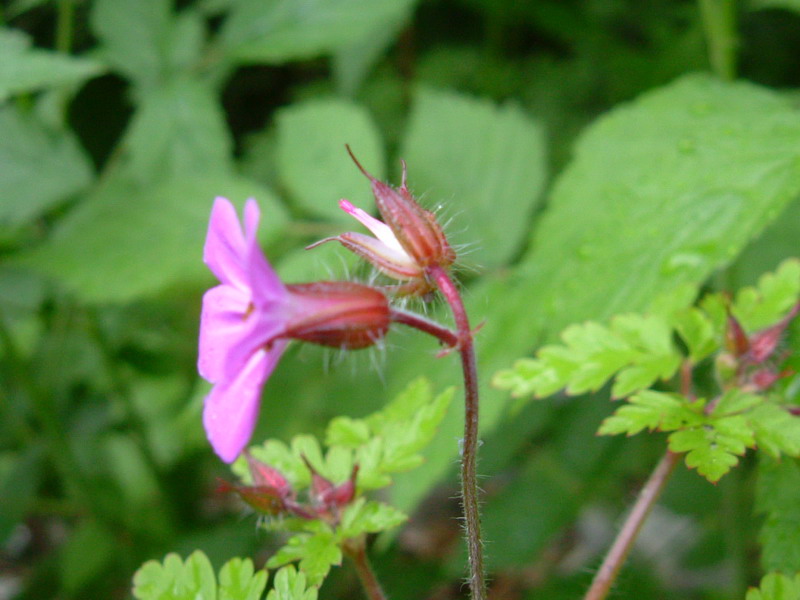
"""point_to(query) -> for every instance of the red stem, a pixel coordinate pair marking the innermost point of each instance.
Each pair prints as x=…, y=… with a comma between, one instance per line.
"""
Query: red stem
x=372, y=588
x=447, y=336
x=469, y=456
x=633, y=523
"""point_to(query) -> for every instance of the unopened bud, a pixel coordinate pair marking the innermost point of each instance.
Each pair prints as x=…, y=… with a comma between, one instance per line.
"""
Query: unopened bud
x=341, y=314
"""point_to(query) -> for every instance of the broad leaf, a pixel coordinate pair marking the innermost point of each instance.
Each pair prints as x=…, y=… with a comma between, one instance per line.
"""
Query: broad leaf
x=313, y=163
x=776, y=499
x=284, y=30
x=483, y=163
x=25, y=69
x=38, y=167
x=125, y=242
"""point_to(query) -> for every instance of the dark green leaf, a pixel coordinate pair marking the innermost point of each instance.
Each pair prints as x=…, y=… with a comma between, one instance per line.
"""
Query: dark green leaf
x=776, y=499
x=38, y=168
x=485, y=164
x=284, y=30
x=24, y=68
x=125, y=242
x=313, y=163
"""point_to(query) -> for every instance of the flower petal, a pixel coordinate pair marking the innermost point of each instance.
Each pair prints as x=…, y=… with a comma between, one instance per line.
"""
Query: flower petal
x=381, y=230
x=225, y=249
x=232, y=330
x=222, y=326
x=231, y=410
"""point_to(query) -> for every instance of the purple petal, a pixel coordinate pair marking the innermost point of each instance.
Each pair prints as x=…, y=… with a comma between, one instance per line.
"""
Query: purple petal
x=222, y=326
x=225, y=251
x=231, y=410
x=231, y=331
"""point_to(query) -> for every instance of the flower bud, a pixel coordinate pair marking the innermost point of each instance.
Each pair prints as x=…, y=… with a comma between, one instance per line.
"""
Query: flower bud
x=414, y=227
x=341, y=314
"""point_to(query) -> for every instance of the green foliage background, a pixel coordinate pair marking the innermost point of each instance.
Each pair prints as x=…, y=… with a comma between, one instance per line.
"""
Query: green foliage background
x=587, y=158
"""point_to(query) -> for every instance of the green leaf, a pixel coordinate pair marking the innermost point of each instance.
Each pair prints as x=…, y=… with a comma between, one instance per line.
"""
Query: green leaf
x=369, y=517
x=179, y=130
x=648, y=410
x=729, y=174
x=698, y=333
x=776, y=499
x=316, y=553
x=663, y=191
x=485, y=161
x=283, y=30
x=132, y=36
x=313, y=163
x=790, y=5
x=125, y=242
x=239, y=581
x=175, y=580
x=290, y=584
x=88, y=551
x=713, y=448
x=347, y=432
x=38, y=167
x=765, y=304
x=25, y=69
x=776, y=586
x=776, y=430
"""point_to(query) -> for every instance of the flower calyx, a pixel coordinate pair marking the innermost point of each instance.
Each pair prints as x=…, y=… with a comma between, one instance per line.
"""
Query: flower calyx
x=407, y=242
x=753, y=361
x=272, y=494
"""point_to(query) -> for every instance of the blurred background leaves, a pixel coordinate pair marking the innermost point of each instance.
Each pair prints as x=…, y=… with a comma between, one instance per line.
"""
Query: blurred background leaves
x=120, y=122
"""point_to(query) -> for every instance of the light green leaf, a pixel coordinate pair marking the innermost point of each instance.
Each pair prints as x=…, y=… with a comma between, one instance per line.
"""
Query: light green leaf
x=765, y=304
x=644, y=372
x=776, y=499
x=776, y=586
x=698, y=333
x=125, y=243
x=133, y=35
x=38, y=167
x=239, y=581
x=484, y=163
x=175, y=580
x=316, y=553
x=179, y=130
x=347, y=432
x=713, y=448
x=736, y=401
x=313, y=163
x=647, y=410
x=290, y=584
x=369, y=517
x=284, y=30
x=25, y=69
x=777, y=431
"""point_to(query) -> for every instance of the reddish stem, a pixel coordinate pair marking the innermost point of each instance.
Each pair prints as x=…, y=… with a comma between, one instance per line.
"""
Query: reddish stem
x=447, y=336
x=469, y=456
x=358, y=553
x=633, y=523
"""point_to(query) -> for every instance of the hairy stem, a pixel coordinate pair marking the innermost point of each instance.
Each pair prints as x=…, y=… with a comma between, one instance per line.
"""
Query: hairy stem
x=358, y=554
x=469, y=456
x=630, y=529
x=447, y=336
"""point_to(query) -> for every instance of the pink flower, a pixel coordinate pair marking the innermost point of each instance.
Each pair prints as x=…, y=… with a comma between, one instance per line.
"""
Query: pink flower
x=248, y=319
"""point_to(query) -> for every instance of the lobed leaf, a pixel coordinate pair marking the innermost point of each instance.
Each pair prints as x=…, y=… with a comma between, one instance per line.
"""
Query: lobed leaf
x=770, y=300
x=174, y=579
x=290, y=584
x=776, y=586
x=239, y=581
x=648, y=410
x=776, y=499
x=316, y=554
